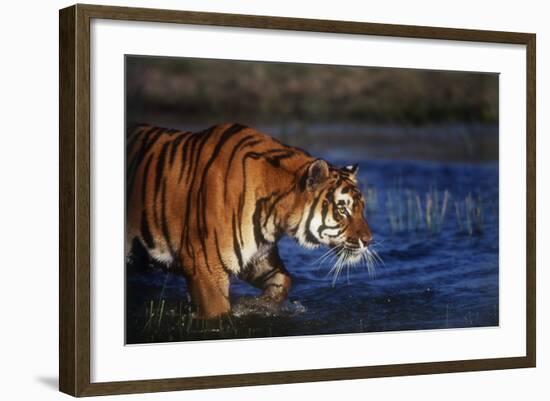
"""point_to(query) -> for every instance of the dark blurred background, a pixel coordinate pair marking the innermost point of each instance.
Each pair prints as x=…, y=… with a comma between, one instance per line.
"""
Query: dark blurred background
x=380, y=112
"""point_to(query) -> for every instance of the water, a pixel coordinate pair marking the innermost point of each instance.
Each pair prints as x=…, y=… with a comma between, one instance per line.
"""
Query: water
x=438, y=278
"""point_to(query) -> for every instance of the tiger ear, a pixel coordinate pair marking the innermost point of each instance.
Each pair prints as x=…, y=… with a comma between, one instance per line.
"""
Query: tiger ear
x=352, y=170
x=317, y=173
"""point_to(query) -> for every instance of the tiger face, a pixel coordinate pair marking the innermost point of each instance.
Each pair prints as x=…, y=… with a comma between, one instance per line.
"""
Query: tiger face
x=334, y=213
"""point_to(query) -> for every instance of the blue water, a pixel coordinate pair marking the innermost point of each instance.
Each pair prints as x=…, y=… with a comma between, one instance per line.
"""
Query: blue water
x=444, y=277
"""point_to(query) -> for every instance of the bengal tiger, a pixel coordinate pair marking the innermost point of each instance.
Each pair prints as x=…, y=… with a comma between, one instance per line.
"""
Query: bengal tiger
x=214, y=203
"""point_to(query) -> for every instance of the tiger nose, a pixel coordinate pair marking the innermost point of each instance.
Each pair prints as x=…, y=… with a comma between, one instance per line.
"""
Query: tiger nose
x=365, y=239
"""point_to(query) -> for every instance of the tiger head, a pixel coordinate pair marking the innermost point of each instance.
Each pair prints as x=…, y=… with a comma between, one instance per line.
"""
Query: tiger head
x=333, y=213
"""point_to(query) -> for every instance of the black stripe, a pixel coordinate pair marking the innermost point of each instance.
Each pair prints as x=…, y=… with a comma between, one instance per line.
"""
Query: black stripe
x=144, y=177
x=138, y=134
x=275, y=202
x=277, y=264
x=160, y=167
x=324, y=227
x=346, y=189
x=195, y=162
x=338, y=233
x=138, y=157
x=190, y=140
x=236, y=246
x=240, y=213
x=175, y=144
x=219, y=253
x=256, y=222
x=233, y=152
x=145, y=232
x=185, y=165
x=324, y=211
x=256, y=156
x=265, y=276
x=243, y=190
x=310, y=238
x=275, y=161
x=243, y=142
x=203, y=189
x=158, y=180
x=335, y=214
x=138, y=130
x=149, y=139
x=164, y=222
x=309, y=235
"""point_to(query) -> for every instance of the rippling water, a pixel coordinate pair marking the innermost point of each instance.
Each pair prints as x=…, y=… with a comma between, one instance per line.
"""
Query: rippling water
x=431, y=279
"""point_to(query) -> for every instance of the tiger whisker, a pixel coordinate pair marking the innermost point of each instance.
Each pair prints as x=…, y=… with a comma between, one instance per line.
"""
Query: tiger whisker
x=374, y=260
x=342, y=262
x=367, y=258
x=377, y=243
x=338, y=255
x=347, y=258
x=345, y=264
x=337, y=265
x=325, y=255
x=329, y=260
x=377, y=257
x=327, y=252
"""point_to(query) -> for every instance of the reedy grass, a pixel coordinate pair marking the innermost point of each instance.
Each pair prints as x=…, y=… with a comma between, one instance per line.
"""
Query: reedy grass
x=469, y=215
x=407, y=211
x=410, y=210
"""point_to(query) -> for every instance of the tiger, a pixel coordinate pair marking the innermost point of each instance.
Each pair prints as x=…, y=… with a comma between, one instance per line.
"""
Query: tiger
x=214, y=204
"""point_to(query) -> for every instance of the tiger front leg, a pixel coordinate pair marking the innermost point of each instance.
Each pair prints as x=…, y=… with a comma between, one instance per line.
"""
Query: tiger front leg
x=209, y=292
x=269, y=274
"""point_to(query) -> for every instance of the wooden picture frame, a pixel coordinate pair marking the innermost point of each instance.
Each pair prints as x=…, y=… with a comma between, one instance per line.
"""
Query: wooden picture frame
x=74, y=205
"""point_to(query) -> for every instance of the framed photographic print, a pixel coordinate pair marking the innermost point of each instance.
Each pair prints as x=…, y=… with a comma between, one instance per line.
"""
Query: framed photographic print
x=251, y=200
